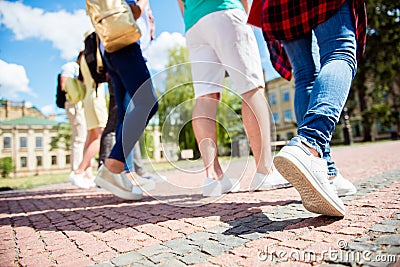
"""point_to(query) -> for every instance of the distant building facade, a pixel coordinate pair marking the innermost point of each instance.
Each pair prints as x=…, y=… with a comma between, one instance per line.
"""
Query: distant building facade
x=280, y=95
x=25, y=136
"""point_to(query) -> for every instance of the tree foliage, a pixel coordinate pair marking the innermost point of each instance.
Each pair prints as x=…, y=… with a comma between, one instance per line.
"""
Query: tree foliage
x=6, y=166
x=64, y=137
x=376, y=86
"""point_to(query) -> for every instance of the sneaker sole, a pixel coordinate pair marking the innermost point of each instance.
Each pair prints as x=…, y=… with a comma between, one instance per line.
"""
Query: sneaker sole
x=116, y=190
x=312, y=195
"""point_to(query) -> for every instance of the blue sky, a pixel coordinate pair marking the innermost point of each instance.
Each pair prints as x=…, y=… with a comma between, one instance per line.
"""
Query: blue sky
x=38, y=37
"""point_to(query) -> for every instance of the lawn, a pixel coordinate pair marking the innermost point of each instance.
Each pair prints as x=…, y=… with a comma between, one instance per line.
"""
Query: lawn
x=32, y=181
x=48, y=179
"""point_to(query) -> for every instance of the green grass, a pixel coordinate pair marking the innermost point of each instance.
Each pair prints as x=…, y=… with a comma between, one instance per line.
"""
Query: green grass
x=33, y=181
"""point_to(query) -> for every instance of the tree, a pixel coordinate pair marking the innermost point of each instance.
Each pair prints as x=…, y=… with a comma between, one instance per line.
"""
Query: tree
x=6, y=166
x=376, y=85
x=176, y=101
x=64, y=137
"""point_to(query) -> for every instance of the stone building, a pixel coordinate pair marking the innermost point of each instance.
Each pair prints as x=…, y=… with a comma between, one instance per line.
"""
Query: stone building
x=280, y=95
x=25, y=136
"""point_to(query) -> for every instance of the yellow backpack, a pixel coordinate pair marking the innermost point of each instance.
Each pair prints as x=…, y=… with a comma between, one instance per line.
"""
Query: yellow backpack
x=114, y=23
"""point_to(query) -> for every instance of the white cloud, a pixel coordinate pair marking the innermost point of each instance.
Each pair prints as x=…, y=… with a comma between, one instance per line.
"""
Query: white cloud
x=158, y=50
x=64, y=30
x=48, y=109
x=28, y=104
x=13, y=80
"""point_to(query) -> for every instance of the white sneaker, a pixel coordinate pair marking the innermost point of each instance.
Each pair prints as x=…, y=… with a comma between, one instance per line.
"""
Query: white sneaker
x=144, y=183
x=265, y=182
x=118, y=184
x=309, y=175
x=343, y=187
x=214, y=188
x=80, y=180
x=71, y=177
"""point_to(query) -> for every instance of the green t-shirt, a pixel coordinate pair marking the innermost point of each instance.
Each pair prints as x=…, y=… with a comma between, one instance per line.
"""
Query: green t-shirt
x=196, y=9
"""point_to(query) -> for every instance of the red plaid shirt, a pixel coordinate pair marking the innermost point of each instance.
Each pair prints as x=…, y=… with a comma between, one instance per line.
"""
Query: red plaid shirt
x=292, y=19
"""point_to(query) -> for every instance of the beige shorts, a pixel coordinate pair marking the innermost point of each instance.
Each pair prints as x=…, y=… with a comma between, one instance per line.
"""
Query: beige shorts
x=223, y=41
x=95, y=108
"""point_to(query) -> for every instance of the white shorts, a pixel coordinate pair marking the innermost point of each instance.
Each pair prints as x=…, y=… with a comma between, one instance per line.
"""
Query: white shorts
x=223, y=41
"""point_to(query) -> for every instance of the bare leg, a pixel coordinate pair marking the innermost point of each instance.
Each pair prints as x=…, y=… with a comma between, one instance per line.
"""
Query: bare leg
x=205, y=130
x=92, y=147
x=256, y=120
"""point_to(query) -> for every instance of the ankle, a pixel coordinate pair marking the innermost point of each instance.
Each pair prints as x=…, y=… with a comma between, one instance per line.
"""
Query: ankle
x=313, y=151
x=114, y=166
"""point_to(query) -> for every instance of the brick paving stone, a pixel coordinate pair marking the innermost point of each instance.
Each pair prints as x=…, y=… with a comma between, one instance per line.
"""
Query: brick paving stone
x=297, y=244
x=313, y=236
x=194, y=257
x=127, y=258
x=105, y=256
x=213, y=248
x=158, y=232
x=149, y=242
x=229, y=240
x=123, y=245
x=229, y=231
x=182, y=246
x=244, y=252
x=171, y=263
x=384, y=228
x=154, y=250
x=393, y=240
x=226, y=260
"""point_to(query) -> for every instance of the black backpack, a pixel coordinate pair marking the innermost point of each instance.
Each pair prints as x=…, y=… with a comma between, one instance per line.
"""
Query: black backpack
x=94, y=59
x=60, y=95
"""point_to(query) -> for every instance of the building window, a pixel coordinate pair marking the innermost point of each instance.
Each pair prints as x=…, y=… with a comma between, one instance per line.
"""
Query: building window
x=275, y=116
x=39, y=142
x=287, y=115
x=286, y=95
x=22, y=141
x=7, y=142
x=39, y=161
x=24, y=162
x=53, y=160
x=272, y=98
x=67, y=159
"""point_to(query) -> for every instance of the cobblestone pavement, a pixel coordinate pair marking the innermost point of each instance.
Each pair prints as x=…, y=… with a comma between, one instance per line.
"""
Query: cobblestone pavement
x=175, y=226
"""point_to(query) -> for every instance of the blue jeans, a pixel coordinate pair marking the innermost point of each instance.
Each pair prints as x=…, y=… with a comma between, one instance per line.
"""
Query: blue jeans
x=134, y=158
x=130, y=75
x=324, y=65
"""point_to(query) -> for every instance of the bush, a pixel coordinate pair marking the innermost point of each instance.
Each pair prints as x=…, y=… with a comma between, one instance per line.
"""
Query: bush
x=6, y=166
